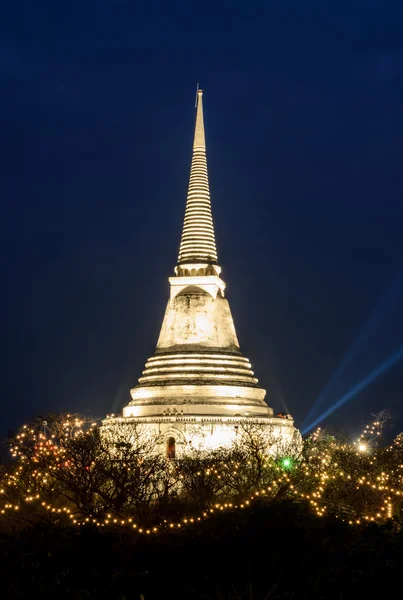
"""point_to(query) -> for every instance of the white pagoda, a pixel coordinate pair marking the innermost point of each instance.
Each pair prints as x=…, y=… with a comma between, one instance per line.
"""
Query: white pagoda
x=198, y=388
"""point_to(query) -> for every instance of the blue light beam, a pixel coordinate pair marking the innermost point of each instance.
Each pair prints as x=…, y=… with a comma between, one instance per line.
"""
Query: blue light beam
x=381, y=313
x=377, y=372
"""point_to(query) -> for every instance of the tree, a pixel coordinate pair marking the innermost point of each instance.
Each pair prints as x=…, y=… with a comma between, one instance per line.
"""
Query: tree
x=66, y=470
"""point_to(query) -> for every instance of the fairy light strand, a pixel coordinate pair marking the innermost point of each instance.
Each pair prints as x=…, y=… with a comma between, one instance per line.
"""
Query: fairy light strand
x=371, y=475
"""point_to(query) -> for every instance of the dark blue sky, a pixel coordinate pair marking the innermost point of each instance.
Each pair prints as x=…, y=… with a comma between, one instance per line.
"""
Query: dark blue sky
x=304, y=120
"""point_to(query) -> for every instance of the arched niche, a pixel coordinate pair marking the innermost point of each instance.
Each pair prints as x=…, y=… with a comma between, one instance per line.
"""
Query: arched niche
x=170, y=447
x=192, y=289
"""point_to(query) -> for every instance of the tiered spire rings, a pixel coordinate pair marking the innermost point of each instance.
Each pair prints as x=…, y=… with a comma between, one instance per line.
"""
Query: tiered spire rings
x=198, y=239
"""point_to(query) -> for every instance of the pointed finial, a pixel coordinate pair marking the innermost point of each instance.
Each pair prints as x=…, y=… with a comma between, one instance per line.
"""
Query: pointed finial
x=199, y=139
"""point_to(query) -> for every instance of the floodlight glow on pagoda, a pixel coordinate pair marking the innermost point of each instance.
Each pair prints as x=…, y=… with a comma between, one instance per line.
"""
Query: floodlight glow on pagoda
x=198, y=387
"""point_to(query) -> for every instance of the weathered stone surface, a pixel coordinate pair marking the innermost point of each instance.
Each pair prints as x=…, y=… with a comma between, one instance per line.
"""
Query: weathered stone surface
x=198, y=319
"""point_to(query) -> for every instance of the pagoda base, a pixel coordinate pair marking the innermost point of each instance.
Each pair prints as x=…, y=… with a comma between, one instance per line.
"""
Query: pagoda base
x=178, y=435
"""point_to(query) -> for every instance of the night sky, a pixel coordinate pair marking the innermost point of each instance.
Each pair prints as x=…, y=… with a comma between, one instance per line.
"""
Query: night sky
x=304, y=126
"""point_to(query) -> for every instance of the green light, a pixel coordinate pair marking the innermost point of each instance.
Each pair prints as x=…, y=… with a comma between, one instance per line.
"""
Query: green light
x=286, y=462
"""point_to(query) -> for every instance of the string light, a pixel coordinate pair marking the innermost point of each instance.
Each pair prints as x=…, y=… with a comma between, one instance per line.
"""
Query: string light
x=315, y=478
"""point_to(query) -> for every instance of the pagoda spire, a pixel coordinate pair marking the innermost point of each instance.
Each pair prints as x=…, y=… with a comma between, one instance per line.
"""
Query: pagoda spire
x=198, y=239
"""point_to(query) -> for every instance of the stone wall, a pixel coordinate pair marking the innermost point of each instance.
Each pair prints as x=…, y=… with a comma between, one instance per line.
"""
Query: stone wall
x=197, y=319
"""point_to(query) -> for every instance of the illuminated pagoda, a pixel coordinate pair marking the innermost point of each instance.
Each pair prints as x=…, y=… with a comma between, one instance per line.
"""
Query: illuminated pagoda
x=198, y=388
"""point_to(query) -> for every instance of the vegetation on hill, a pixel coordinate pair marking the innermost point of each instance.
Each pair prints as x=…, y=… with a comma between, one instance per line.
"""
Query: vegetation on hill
x=81, y=517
